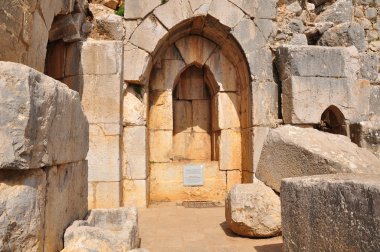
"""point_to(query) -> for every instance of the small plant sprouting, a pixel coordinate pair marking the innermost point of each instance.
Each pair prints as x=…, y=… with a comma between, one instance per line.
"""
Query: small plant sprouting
x=120, y=10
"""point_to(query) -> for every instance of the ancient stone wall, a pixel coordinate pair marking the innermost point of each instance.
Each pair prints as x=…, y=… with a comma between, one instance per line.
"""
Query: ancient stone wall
x=43, y=171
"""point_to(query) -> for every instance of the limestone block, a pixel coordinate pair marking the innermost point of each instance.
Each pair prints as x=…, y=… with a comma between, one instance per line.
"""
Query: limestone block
x=166, y=183
x=135, y=193
x=37, y=47
x=163, y=78
x=258, y=8
x=201, y=115
x=311, y=206
x=195, y=49
x=134, y=153
x=139, y=9
x=226, y=111
x=112, y=4
x=94, y=57
x=200, y=7
x=310, y=61
x=368, y=66
x=298, y=39
x=183, y=116
x=134, y=106
x=173, y=12
x=101, y=98
x=230, y=150
x=345, y=34
x=104, y=195
x=109, y=26
x=114, y=229
x=339, y=12
x=161, y=110
x=374, y=101
x=259, y=135
x=129, y=28
x=30, y=100
x=148, y=34
x=233, y=178
x=191, y=85
x=249, y=36
x=160, y=145
x=247, y=153
x=305, y=152
x=228, y=18
x=267, y=27
x=104, y=154
x=222, y=71
x=66, y=201
x=67, y=27
x=253, y=210
x=260, y=63
x=304, y=99
x=265, y=109
x=22, y=210
x=136, y=62
x=367, y=135
x=192, y=146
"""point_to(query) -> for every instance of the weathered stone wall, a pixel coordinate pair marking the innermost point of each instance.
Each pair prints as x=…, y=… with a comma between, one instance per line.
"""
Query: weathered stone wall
x=331, y=213
x=25, y=27
x=43, y=172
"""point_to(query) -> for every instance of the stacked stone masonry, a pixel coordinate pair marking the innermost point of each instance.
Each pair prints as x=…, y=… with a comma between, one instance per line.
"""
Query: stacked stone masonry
x=43, y=171
x=261, y=64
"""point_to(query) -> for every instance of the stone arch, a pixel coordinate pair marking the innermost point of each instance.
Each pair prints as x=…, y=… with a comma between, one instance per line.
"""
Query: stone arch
x=333, y=121
x=243, y=35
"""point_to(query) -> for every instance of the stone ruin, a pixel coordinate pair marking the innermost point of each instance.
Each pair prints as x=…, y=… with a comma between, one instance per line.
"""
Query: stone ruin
x=173, y=101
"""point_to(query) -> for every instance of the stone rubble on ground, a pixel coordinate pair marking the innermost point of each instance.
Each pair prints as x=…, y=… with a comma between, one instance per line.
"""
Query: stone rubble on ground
x=104, y=230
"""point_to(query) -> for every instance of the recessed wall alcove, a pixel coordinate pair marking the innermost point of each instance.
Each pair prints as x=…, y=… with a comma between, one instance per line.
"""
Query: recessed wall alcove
x=197, y=114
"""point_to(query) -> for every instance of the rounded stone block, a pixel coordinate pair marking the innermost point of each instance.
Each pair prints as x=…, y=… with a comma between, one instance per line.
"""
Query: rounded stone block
x=253, y=210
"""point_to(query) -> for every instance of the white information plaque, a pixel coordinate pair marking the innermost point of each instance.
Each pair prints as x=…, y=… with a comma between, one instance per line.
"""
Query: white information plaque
x=193, y=175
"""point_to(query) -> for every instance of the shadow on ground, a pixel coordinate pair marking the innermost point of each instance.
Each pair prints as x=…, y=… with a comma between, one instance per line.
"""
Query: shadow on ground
x=264, y=248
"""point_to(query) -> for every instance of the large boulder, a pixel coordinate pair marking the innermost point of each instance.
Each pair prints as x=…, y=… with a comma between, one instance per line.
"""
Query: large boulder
x=292, y=152
x=339, y=12
x=104, y=230
x=42, y=122
x=345, y=34
x=253, y=210
x=335, y=212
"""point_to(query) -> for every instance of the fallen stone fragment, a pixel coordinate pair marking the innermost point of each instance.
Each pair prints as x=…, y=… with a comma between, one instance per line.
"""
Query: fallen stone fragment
x=338, y=212
x=104, y=230
x=253, y=210
x=291, y=152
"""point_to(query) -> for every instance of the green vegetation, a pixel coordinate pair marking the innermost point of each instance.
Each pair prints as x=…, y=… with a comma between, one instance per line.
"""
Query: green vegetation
x=120, y=10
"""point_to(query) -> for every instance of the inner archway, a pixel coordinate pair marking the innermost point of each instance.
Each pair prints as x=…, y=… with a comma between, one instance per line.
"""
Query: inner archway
x=333, y=121
x=197, y=104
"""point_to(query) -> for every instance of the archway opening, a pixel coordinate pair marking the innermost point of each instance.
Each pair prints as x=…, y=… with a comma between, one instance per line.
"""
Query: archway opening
x=333, y=121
